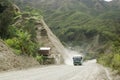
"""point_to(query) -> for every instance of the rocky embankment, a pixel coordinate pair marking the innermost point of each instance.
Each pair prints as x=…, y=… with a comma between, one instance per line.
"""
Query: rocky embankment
x=58, y=51
x=9, y=61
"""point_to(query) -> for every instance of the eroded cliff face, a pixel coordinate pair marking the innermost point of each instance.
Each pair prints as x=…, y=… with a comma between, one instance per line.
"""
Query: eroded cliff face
x=58, y=51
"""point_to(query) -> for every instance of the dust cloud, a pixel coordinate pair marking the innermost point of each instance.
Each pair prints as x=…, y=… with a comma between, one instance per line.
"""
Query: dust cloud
x=69, y=55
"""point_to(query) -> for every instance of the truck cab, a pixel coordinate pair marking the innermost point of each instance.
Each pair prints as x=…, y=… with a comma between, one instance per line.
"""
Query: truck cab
x=77, y=60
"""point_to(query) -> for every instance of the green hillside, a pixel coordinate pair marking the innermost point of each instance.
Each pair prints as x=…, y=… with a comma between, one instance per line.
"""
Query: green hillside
x=82, y=15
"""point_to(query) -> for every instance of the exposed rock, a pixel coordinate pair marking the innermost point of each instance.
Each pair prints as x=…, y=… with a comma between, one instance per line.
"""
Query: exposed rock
x=48, y=39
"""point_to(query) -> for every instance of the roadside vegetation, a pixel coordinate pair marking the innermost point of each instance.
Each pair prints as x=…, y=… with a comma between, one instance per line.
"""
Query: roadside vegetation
x=112, y=59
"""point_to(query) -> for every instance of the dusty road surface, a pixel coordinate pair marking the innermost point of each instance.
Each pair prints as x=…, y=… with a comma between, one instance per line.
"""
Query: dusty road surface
x=88, y=71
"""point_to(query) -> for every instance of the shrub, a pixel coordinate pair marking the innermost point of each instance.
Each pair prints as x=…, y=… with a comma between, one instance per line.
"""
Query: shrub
x=116, y=62
x=14, y=43
x=40, y=59
x=22, y=43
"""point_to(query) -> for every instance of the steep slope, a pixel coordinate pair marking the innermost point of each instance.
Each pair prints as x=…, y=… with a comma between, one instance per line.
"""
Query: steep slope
x=50, y=40
x=8, y=60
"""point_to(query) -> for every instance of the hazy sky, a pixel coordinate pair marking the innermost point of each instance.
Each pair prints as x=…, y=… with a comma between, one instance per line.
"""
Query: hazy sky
x=108, y=0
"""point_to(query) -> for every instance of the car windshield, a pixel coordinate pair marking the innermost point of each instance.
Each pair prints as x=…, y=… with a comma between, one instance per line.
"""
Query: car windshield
x=77, y=58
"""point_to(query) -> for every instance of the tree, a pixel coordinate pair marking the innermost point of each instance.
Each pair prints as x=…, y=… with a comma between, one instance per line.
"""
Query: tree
x=6, y=16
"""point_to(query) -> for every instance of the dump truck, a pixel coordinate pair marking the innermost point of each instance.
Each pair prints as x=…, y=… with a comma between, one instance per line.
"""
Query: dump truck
x=45, y=52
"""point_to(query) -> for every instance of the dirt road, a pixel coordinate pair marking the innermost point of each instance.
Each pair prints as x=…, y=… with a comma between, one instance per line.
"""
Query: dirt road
x=88, y=71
